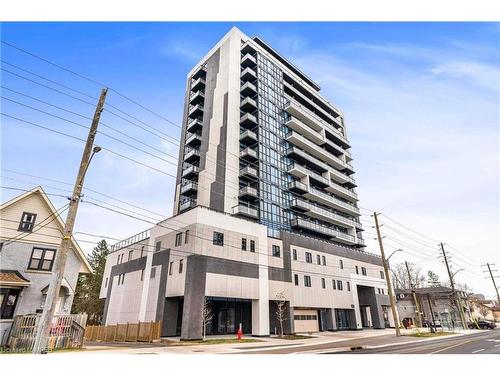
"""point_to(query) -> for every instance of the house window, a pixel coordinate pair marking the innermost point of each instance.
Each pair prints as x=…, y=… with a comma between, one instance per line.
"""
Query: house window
x=27, y=222
x=130, y=255
x=158, y=246
x=181, y=265
x=323, y=283
x=357, y=270
x=153, y=273
x=252, y=246
x=334, y=285
x=341, y=263
x=307, y=280
x=8, y=301
x=118, y=259
x=123, y=277
x=42, y=259
x=186, y=236
x=294, y=252
x=339, y=285
x=318, y=259
x=106, y=283
x=142, y=251
x=218, y=239
x=382, y=275
x=324, y=260
x=244, y=244
x=171, y=268
x=178, y=239
x=276, y=251
x=363, y=271
x=348, y=286
x=296, y=279
x=142, y=274
x=309, y=257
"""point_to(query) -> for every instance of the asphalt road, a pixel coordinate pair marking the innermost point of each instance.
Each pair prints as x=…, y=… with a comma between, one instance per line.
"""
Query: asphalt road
x=487, y=342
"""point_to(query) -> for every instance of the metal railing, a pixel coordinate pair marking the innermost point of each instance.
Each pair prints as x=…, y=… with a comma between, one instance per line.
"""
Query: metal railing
x=131, y=240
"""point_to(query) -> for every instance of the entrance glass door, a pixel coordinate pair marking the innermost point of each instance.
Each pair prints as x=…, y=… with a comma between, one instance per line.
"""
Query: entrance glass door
x=342, y=317
x=225, y=318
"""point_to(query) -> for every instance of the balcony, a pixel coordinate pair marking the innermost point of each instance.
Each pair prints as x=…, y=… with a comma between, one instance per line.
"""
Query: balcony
x=191, y=155
x=198, y=84
x=248, y=121
x=249, y=89
x=249, y=173
x=197, y=97
x=324, y=230
x=305, y=130
x=187, y=204
x=297, y=187
x=193, y=140
x=300, y=171
x=341, y=177
x=249, y=154
x=195, y=111
x=189, y=187
x=248, y=192
x=361, y=242
x=315, y=150
x=303, y=157
x=248, y=61
x=248, y=104
x=200, y=72
x=342, y=191
x=312, y=120
x=330, y=201
x=246, y=211
x=321, y=213
x=190, y=172
x=248, y=137
x=195, y=125
x=248, y=74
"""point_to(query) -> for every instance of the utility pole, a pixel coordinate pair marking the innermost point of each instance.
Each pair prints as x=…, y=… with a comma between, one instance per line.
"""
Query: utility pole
x=417, y=308
x=387, y=277
x=456, y=296
x=45, y=322
x=433, y=326
x=493, y=279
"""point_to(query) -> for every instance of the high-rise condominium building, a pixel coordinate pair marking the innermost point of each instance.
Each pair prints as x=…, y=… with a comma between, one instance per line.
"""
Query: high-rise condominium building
x=260, y=142
x=264, y=210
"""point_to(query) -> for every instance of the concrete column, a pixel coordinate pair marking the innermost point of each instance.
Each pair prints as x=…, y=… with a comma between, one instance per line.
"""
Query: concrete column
x=260, y=307
x=194, y=298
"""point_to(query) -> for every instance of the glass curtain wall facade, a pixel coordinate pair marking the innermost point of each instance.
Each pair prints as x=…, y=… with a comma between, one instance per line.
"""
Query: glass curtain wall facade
x=274, y=194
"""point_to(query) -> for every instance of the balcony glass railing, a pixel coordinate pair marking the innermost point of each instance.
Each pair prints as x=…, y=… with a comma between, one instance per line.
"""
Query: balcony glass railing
x=323, y=229
x=316, y=118
x=321, y=211
x=334, y=200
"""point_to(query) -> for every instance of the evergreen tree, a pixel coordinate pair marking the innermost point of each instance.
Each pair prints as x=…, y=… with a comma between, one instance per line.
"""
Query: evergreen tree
x=433, y=279
x=89, y=285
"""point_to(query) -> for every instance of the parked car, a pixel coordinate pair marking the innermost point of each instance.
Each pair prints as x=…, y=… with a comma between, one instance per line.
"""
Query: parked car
x=427, y=323
x=483, y=324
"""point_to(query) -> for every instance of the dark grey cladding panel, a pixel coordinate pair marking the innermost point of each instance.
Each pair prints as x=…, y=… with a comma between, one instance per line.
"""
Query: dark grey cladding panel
x=127, y=267
x=330, y=248
x=279, y=274
x=161, y=258
x=231, y=267
x=211, y=82
x=217, y=188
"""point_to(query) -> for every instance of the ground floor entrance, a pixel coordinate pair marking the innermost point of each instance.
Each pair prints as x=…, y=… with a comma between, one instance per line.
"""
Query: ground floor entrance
x=305, y=321
x=343, y=318
x=228, y=314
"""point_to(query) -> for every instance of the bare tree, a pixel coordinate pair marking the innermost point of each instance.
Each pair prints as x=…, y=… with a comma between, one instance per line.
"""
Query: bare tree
x=281, y=310
x=206, y=315
x=400, y=276
x=483, y=310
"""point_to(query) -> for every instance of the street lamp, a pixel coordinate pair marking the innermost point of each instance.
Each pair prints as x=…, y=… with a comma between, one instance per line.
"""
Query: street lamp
x=454, y=273
x=394, y=252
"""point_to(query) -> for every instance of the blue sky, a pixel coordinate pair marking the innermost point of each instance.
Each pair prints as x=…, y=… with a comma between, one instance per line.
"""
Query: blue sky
x=421, y=102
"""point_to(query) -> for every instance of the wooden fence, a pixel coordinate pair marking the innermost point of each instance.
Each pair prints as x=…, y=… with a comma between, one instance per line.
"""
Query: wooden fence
x=66, y=332
x=131, y=332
